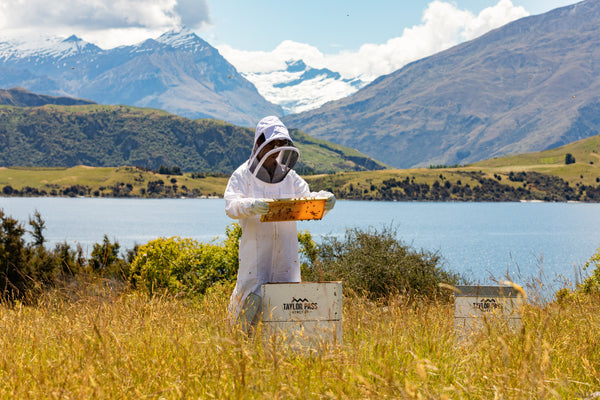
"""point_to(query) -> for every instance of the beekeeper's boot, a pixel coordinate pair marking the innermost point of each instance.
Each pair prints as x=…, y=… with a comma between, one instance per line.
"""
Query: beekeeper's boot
x=250, y=312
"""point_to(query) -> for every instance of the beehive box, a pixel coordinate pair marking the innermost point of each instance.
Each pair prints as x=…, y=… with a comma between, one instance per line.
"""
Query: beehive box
x=476, y=305
x=303, y=314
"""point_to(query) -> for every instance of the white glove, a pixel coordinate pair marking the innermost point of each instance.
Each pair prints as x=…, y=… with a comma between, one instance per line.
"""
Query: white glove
x=259, y=207
x=330, y=202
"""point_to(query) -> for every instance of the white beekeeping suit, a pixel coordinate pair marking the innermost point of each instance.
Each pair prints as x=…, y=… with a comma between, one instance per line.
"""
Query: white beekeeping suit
x=268, y=250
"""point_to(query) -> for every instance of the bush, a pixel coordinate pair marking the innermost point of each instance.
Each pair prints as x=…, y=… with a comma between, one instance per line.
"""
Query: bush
x=185, y=266
x=28, y=268
x=592, y=283
x=105, y=260
x=589, y=289
x=178, y=265
x=71, y=262
x=174, y=170
x=375, y=263
x=310, y=265
x=13, y=278
x=569, y=159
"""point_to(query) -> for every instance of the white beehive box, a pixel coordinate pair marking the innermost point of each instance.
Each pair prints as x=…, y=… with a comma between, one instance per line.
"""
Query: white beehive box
x=306, y=313
x=476, y=305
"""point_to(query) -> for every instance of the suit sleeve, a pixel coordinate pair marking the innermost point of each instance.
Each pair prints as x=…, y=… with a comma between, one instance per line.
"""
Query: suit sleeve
x=237, y=204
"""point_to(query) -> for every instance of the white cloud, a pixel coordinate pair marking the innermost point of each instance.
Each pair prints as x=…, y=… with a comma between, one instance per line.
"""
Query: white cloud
x=443, y=26
x=109, y=38
x=102, y=20
x=492, y=17
x=265, y=61
x=193, y=13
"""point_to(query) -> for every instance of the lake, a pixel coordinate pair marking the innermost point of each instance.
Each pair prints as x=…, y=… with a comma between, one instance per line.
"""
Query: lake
x=483, y=241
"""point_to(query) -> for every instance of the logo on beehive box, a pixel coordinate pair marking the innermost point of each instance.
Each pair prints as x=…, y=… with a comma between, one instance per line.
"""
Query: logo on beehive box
x=300, y=306
x=486, y=305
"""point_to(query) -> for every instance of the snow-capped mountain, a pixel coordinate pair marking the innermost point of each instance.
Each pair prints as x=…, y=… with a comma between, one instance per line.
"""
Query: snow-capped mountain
x=50, y=48
x=146, y=75
x=177, y=72
x=299, y=87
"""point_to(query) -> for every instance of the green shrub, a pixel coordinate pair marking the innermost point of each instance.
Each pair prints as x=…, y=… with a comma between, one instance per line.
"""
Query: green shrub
x=310, y=265
x=569, y=159
x=375, y=263
x=105, y=259
x=185, y=266
x=592, y=283
x=13, y=278
x=71, y=262
x=28, y=268
x=589, y=287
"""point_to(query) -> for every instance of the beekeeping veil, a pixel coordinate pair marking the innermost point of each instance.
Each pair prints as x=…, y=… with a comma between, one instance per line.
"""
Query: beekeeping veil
x=273, y=154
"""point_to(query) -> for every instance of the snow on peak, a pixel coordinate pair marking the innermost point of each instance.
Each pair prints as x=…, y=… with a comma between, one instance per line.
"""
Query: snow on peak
x=72, y=39
x=183, y=38
x=49, y=46
x=300, y=87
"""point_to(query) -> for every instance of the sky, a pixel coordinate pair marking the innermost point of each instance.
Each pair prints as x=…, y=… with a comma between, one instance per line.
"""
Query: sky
x=365, y=38
x=331, y=25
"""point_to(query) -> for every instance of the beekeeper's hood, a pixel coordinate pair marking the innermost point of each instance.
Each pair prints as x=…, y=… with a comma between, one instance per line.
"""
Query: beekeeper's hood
x=273, y=154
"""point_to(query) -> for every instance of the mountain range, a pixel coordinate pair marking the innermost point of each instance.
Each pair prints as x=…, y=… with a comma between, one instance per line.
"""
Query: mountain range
x=531, y=85
x=177, y=72
x=300, y=87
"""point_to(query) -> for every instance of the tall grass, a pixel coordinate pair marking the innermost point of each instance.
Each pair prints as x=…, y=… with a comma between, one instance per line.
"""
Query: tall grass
x=101, y=342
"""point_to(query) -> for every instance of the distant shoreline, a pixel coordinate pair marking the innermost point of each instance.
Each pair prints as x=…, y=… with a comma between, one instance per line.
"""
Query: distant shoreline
x=452, y=184
x=203, y=197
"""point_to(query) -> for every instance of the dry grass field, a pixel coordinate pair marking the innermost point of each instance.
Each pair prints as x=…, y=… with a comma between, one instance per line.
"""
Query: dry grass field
x=99, y=342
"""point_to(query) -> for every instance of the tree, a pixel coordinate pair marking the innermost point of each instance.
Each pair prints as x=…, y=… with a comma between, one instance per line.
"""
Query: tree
x=106, y=261
x=38, y=225
x=569, y=159
x=13, y=280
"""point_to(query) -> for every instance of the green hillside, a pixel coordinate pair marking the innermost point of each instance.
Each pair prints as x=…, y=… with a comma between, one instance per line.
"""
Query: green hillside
x=111, y=136
x=585, y=170
x=534, y=176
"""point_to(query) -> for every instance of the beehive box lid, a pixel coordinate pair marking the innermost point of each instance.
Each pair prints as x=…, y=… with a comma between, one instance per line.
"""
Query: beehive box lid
x=300, y=209
x=485, y=291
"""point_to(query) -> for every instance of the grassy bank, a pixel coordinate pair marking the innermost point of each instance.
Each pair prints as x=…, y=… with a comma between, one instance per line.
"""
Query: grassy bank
x=100, y=343
x=108, y=182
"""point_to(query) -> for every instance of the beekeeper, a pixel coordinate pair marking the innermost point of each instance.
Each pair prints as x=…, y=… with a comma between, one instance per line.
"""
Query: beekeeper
x=268, y=250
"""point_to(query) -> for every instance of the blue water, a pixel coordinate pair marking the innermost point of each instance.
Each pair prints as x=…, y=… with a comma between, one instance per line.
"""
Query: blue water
x=483, y=241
